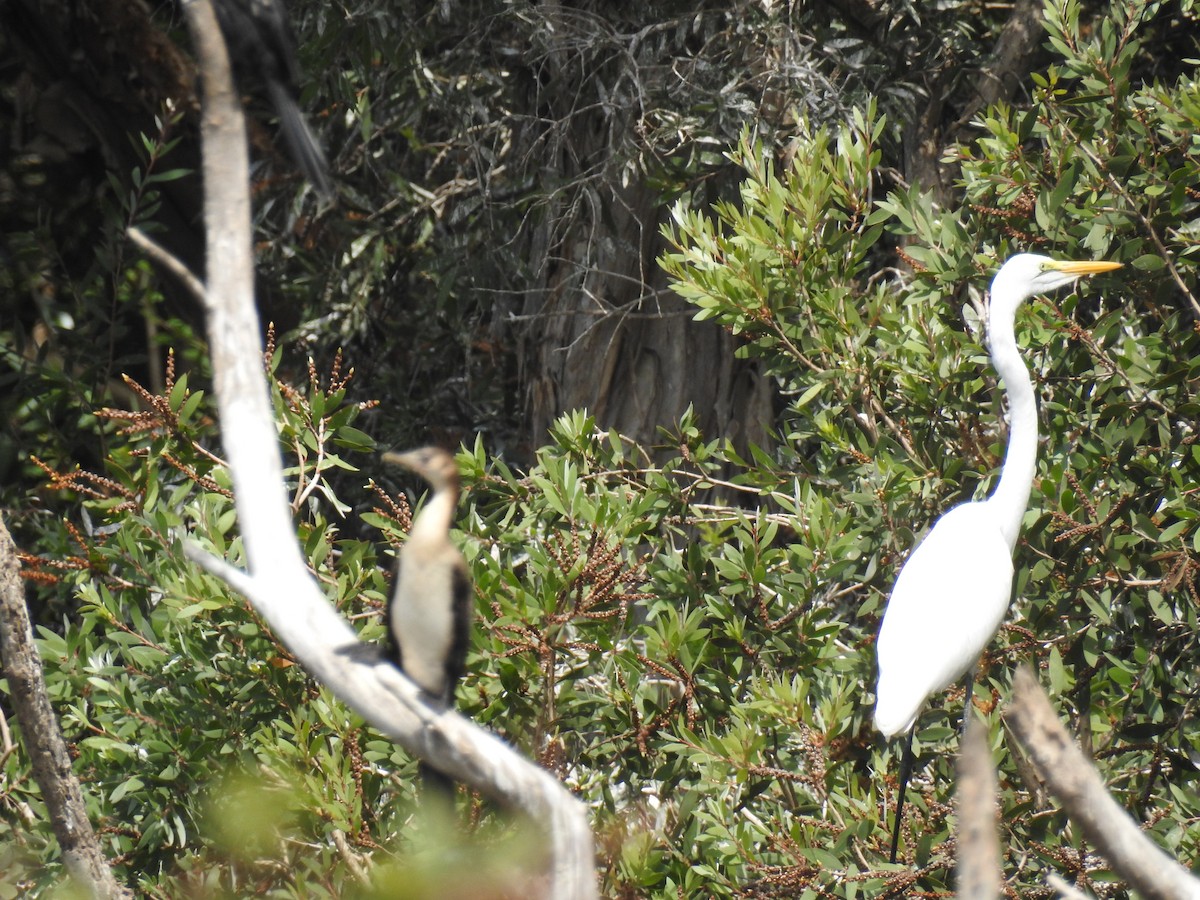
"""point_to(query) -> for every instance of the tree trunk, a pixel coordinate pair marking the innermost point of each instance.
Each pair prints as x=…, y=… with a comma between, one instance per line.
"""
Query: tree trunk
x=600, y=328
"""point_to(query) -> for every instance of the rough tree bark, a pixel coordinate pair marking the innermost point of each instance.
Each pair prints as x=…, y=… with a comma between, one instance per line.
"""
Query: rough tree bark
x=43, y=741
x=1076, y=783
x=941, y=122
x=606, y=335
x=977, y=874
x=598, y=327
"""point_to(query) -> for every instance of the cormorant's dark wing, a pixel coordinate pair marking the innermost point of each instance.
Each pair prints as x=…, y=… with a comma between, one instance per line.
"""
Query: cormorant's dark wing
x=464, y=613
x=391, y=646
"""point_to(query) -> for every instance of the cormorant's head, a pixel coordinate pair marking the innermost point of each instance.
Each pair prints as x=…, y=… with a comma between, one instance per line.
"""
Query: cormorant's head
x=433, y=464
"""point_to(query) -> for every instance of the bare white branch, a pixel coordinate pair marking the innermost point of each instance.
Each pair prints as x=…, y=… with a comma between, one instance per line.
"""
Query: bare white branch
x=279, y=584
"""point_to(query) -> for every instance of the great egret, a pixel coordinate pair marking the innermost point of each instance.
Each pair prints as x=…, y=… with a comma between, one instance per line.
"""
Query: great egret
x=954, y=590
x=429, y=615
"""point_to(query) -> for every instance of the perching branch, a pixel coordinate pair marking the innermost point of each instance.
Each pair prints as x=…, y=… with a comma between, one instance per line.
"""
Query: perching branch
x=1075, y=782
x=279, y=585
x=48, y=756
x=977, y=870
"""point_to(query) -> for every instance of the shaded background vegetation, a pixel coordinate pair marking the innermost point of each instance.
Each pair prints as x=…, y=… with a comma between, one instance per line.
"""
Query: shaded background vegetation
x=677, y=591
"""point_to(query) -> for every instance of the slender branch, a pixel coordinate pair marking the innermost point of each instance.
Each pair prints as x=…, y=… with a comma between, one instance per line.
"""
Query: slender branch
x=900, y=436
x=1134, y=206
x=977, y=871
x=168, y=261
x=1065, y=890
x=353, y=863
x=214, y=565
x=7, y=747
x=1076, y=783
x=48, y=756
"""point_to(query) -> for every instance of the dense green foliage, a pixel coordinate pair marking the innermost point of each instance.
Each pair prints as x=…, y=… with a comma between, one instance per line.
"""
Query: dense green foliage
x=890, y=408
x=683, y=634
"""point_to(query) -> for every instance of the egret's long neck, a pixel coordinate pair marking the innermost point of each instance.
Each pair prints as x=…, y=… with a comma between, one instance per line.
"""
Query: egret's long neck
x=1011, y=496
x=432, y=523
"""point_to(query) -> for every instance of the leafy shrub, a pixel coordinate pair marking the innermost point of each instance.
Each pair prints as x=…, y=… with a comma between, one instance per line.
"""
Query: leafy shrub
x=684, y=634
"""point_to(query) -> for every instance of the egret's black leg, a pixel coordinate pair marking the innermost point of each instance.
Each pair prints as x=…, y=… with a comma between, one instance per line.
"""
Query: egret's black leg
x=906, y=765
x=968, y=700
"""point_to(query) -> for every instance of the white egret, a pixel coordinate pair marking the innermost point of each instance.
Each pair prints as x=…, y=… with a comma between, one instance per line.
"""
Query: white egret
x=429, y=615
x=952, y=593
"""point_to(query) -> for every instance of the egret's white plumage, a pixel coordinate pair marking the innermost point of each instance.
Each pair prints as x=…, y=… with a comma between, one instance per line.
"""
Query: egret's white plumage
x=952, y=593
x=948, y=602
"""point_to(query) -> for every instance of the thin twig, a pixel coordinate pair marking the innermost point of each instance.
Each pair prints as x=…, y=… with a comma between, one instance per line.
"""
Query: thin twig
x=9, y=747
x=168, y=261
x=1151, y=231
x=353, y=863
x=1068, y=891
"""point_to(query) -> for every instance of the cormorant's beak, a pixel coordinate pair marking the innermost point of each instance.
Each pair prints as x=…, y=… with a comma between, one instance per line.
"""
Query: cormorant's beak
x=404, y=460
x=1083, y=267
